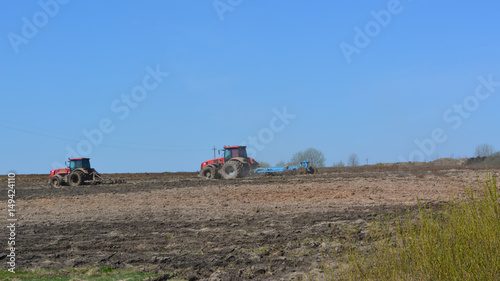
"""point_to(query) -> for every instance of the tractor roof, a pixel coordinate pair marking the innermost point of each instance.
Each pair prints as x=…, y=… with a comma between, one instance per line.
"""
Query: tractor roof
x=234, y=146
x=72, y=159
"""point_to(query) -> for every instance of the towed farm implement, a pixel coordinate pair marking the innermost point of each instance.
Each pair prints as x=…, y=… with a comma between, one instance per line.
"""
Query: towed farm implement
x=304, y=167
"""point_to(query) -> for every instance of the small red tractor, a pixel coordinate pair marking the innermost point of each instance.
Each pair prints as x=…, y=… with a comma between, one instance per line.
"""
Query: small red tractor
x=77, y=173
x=234, y=164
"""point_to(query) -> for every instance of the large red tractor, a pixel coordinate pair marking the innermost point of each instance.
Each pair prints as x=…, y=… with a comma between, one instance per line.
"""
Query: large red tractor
x=234, y=164
x=77, y=173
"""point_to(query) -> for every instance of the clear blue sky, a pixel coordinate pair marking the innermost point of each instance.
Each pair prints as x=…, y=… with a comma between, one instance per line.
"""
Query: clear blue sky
x=152, y=86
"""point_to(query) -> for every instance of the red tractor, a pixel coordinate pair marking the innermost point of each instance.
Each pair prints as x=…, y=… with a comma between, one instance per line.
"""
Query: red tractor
x=77, y=173
x=234, y=164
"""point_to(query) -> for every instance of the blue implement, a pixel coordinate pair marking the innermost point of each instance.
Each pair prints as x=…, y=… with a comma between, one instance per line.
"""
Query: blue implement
x=303, y=168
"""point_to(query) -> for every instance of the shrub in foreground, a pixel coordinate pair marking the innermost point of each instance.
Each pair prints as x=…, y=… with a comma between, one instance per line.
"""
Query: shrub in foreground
x=459, y=242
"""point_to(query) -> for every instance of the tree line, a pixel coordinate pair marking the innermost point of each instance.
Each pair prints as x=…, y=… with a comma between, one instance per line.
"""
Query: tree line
x=318, y=159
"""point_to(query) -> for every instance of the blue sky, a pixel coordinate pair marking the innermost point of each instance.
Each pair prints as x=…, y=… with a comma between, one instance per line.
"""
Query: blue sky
x=152, y=86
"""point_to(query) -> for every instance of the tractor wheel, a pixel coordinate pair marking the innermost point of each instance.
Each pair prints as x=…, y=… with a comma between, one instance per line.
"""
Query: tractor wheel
x=75, y=178
x=56, y=181
x=291, y=172
x=301, y=170
x=254, y=166
x=217, y=173
x=312, y=170
x=231, y=170
x=208, y=172
x=246, y=170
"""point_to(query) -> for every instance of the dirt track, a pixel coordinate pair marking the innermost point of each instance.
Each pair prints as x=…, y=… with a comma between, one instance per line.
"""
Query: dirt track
x=265, y=228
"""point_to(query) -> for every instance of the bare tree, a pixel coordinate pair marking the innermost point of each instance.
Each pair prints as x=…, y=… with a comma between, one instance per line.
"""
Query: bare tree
x=484, y=150
x=353, y=160
x=314, y=156
x=281, y=164
x=339, y=164
x=263, y=164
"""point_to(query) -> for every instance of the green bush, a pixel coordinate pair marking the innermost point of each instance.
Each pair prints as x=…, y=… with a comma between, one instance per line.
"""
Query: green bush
x=492, y=160
x=460, y=242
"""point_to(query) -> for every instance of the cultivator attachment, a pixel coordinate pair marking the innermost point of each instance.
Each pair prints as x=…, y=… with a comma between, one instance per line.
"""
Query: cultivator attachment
x=98, y=179
x=304, y=167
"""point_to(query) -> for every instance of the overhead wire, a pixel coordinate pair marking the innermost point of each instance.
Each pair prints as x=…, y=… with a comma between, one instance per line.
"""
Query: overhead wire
x=111, y=145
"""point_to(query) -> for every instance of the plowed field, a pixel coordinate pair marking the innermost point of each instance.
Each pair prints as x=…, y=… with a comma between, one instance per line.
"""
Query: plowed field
x=263, y=228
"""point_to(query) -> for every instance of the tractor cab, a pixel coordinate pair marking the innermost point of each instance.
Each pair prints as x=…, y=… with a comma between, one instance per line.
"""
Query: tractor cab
x=76, y=163
x=231, y=152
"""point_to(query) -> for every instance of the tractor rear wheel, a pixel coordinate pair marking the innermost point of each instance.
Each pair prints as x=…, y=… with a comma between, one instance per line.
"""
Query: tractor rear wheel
x=246, y=170
x=208, y=172
x=312, y=170
x=301, y=170
x=56, y=181
x=75, y=178
x=231, y=170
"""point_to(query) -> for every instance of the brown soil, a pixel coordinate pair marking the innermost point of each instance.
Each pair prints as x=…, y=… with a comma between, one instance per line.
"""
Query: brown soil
x=263, y=228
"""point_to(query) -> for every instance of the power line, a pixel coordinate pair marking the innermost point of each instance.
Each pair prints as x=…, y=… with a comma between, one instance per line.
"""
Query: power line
x=111, y=145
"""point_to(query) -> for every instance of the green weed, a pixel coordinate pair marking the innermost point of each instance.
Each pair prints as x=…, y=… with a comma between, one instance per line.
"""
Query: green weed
x=461, y=241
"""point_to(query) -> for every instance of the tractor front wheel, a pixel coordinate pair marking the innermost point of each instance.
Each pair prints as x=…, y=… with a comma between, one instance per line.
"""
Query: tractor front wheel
x=56, y=181
x=75, y=178
x=208, y=172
